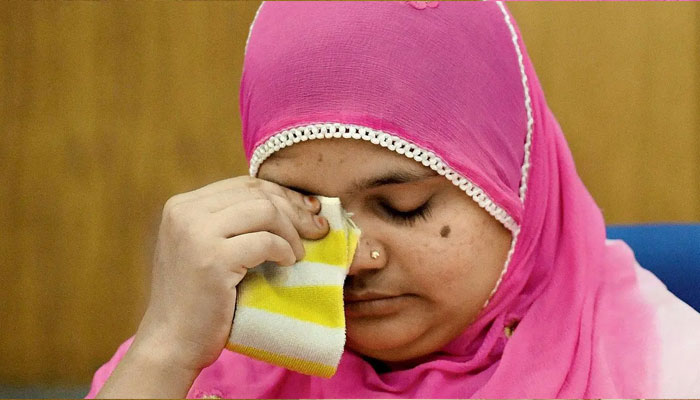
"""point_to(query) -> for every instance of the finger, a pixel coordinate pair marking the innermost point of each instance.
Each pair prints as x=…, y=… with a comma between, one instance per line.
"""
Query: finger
x=218, y=186
x=257, y=215
x=252, y=249
x=221, y=194
x=217, y=201
x=243, y=218
x=308, y=202
x=308, y=224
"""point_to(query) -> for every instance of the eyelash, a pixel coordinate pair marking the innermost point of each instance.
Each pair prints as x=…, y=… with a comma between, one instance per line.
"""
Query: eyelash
x=408, y=217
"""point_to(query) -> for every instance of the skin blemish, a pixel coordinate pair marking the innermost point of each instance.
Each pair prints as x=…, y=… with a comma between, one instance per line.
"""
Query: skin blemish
x=445, y=231
x=320, y=158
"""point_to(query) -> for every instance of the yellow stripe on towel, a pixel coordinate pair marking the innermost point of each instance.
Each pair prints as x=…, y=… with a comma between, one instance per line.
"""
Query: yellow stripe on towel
x=294, y=302
x=326, y=251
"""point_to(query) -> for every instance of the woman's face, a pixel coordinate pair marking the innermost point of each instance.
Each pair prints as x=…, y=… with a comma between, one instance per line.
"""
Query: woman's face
x=436, y=267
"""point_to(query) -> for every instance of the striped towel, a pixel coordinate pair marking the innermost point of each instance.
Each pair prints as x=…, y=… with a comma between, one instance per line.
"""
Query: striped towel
x=293, y=316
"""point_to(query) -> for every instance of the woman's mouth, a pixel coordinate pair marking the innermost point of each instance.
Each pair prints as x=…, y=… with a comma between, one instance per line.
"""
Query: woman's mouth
x=374, y=305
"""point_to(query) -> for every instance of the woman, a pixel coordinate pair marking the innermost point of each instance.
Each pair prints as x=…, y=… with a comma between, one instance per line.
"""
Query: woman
x=483, y=269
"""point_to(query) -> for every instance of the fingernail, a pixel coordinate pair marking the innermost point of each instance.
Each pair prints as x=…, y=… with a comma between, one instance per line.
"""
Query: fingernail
x=319, y=221
x=310, y=202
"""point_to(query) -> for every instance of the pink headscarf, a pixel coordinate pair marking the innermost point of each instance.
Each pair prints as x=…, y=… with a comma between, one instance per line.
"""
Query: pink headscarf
x=454, y=80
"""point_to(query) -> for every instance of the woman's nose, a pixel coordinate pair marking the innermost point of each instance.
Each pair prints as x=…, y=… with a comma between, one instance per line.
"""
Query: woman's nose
x=369, y=255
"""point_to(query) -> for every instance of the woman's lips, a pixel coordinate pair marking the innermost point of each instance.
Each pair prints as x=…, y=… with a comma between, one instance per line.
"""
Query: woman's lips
x=375, y=306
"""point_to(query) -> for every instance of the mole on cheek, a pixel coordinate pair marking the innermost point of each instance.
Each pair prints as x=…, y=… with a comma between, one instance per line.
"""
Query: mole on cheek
x=320, y=158
x=445, y=231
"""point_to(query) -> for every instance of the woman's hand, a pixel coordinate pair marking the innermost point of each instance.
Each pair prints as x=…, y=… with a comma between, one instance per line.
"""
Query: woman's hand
x=207, y=240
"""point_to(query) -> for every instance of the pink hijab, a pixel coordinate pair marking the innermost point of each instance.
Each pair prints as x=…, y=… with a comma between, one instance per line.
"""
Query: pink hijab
x=450, y=85
x=454, y=79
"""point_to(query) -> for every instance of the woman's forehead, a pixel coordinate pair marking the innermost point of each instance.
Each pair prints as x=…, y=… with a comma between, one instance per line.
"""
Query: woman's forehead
x=339, y=163
x=340, y=152
x=334, y=146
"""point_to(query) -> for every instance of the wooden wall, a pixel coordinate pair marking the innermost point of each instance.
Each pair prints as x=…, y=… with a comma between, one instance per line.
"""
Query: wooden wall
x=623, y=80
x=108, y=109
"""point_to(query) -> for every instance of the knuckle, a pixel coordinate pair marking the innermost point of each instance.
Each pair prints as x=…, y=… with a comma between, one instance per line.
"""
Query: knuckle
x=286, y=193
x=292, y=195
x=269, y=242
x=305, y=216
x=177, y=213
x=258, y=194
x=184, y=221
x=172, y=202
x=250, y=181
x=209, y=261
x=299, y=198
x=268, y=211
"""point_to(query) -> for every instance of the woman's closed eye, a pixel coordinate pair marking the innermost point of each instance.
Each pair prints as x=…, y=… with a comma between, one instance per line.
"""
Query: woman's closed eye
x=407, y=217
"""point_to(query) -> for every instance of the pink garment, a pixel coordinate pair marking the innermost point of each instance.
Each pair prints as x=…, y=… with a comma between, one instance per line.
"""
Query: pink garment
x=455, y=80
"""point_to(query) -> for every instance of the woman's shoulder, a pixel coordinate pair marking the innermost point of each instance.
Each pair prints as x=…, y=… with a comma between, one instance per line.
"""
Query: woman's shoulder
x=231, y=375
x=235, y=375
x=678, y=329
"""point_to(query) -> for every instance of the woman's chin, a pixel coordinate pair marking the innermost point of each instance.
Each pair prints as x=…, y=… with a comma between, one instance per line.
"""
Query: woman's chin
x=383, y=340
x=394, y=355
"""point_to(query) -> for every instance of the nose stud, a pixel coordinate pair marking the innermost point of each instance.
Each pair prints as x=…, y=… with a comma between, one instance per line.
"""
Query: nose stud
x=374, y=254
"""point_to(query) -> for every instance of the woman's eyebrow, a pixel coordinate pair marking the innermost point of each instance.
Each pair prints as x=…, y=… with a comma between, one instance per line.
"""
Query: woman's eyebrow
x=388, y=178
x=393, y=178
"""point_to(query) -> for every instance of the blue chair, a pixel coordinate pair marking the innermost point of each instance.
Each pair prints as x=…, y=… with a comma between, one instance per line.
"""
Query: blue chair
x=670, y=251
